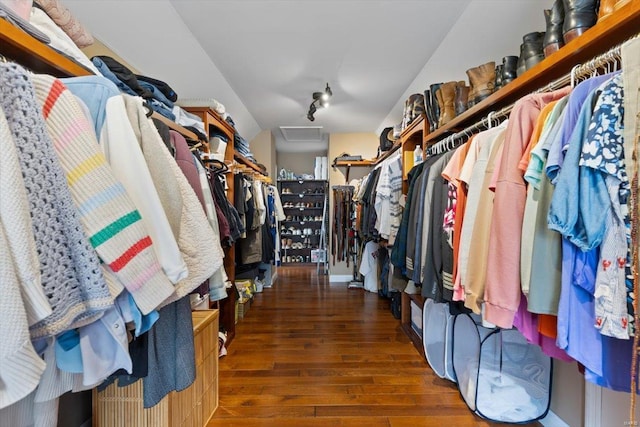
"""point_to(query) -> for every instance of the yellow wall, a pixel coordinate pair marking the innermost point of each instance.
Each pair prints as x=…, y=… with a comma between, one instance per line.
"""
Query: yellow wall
x=363, y=144
x=263, y=148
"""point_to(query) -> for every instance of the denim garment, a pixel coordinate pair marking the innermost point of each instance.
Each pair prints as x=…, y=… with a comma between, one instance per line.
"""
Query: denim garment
x=161, y=109
x=576, y=191
x=157, y=94
x=106, y=72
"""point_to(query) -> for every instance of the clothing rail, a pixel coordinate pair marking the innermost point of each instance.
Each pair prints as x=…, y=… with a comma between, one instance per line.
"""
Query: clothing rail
x=606, y=59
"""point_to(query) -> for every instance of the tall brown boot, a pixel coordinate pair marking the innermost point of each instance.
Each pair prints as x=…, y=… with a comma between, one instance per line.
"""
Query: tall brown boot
x=482, y=80
x=462, y=98
x=446, y=97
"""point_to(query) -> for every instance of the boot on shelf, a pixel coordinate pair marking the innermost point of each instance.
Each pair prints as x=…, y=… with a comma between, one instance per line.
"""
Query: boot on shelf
x=498, y=84
x=579, y=16
x=482, y=80
x=446, y=99
x=462, y=98
x=434, y=103
x=554, y=17
x=509, y=69
x=428, y=107
x=532, y=51
x=418, y=106
x=521, y=66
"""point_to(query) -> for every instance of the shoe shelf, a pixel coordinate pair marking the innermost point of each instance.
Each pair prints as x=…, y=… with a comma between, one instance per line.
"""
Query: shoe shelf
x=299, y=231
x=608, y=32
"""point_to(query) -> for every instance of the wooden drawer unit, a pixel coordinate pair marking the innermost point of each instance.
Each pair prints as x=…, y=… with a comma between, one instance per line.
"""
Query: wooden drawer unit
x=192, y=407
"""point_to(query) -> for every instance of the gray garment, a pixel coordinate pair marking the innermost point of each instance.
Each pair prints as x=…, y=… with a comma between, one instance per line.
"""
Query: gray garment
x=436, y=254
x=415, y=222
x=70, y=268
x=172, y=360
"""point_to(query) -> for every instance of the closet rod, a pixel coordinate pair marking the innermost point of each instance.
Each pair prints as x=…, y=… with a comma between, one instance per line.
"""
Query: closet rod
x=611, y=56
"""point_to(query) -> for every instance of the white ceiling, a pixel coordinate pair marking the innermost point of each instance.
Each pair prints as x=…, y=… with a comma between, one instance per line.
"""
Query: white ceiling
x=263, y=58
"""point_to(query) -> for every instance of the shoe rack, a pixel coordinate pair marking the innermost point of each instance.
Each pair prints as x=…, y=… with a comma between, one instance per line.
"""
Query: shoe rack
x=300, y=233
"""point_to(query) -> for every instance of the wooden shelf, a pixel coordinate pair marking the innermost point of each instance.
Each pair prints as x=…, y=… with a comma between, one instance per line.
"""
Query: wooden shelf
x=416, y=127
x=248, y=163
x=353, y=163
x=607, y=33
x=388, y=153
x=405, y=319
x=211, y=118
x=173, y=125
x=38, y=57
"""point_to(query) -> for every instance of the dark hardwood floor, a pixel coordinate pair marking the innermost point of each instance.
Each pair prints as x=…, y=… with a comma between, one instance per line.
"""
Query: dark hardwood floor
x=310, y=353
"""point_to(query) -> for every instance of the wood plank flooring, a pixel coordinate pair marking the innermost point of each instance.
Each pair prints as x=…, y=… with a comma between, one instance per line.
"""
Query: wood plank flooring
x=309, y=353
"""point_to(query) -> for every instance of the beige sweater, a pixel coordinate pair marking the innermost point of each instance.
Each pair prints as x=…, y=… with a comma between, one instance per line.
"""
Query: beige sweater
x=199, y=246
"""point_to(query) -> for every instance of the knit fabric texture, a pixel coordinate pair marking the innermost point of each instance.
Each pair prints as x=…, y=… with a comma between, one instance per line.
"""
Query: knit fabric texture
x=107, y=213
x=200, y=250
x=20, y=366
x=14, y=211
x=70, y=268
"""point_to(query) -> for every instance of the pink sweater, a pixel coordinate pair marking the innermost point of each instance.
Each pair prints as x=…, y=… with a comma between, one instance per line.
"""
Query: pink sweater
x=502, y=290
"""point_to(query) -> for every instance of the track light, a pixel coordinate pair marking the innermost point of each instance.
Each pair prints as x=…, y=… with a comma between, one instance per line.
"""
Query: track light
x=321, y=99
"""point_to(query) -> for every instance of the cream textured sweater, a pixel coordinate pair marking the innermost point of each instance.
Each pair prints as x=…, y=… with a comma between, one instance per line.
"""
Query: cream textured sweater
x=14, y=211
x=199, y=246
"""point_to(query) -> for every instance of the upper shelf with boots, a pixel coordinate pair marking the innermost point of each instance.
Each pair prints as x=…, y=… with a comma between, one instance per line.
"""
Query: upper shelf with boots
x=621, y=23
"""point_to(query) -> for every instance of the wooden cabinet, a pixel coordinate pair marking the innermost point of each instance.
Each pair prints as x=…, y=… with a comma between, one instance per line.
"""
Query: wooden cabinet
x=192, y=407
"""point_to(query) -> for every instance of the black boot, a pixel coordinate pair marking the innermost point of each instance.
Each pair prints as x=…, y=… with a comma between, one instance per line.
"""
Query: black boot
x=579, y=16
x=499, y=83
x=434, y=103
x=429, y=110
x=532, y=50
x=521, y=66
x=553, y=39
x=509, y=69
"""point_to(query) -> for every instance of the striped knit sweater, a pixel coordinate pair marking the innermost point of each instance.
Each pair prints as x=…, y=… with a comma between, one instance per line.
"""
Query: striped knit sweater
x=109, y=217
x=69, y=267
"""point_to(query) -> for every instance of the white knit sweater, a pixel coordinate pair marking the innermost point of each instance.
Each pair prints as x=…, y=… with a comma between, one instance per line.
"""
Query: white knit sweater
x=14, y=211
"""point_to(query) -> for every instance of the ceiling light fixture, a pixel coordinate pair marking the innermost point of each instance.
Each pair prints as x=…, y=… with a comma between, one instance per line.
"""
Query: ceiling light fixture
x=320, y=99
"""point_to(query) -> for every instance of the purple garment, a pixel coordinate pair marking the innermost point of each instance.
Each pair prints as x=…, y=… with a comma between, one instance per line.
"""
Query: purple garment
x=559, y=146
x=185, y=161
x=577, y=334
x=527, y=324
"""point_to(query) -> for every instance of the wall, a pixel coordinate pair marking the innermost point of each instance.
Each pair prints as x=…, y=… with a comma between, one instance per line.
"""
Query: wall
x=364, y=144
x=567, y=393
x=299, y=163
x=263, y=149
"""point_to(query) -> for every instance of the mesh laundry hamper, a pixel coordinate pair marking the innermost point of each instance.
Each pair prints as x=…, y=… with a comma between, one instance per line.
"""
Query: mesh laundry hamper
x=437, y=331
x=501, y=377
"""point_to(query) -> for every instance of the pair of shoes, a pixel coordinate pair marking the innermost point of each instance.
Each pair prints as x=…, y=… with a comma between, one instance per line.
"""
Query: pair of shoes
x=568, y=19
x=482, y=80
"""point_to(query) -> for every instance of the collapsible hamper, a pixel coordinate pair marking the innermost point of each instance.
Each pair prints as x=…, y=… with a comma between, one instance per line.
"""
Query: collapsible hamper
x=501, y=377
x=437, y=334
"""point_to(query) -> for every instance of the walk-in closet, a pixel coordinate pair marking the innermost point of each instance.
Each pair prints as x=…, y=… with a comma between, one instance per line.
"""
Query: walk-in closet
x=295, y=214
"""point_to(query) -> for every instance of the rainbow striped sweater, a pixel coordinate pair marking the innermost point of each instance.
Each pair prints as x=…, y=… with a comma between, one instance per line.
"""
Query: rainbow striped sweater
x=108, y=215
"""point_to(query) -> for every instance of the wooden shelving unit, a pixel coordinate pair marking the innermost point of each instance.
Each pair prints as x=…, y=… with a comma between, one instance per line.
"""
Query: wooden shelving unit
x=38, y=57
x=607, y=33
x=173, y=125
